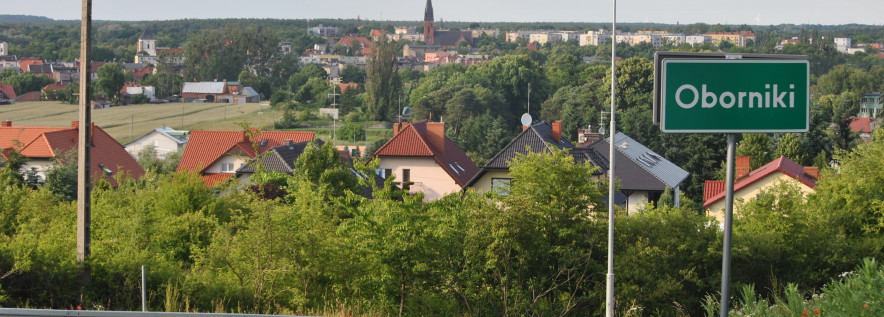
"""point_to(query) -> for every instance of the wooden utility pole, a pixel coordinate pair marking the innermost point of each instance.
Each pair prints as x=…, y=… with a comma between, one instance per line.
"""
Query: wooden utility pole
x=84, y=204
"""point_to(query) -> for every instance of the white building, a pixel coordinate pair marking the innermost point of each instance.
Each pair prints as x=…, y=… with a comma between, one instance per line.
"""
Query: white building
x=165, y=141
x=697, y=39
x=4, y=49
x=594, y=38
x=842, y=44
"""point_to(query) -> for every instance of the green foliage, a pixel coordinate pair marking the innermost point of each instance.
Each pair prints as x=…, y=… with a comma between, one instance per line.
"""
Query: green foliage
x=149, y=159
x=381, y=81
x=758, y=147
x=24, y=82
x=352, y=132
x=110, y=80
x=61, y=177
x=221, y=54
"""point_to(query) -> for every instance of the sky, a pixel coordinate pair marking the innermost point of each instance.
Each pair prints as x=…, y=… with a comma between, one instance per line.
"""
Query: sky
x=751, y=12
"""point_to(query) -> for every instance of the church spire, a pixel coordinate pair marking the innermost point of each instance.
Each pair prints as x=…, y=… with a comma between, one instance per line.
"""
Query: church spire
x=428, y=11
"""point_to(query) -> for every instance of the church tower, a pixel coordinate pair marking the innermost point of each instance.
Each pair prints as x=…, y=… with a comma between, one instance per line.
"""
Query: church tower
x=147, y=43
x=429, y=33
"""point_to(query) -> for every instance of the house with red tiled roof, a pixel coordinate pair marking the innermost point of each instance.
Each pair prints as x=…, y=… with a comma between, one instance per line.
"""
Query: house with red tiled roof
x=7, y=93
x=41, y=145
x=425, y=160
x=364, y=47
x=216, y=155
x=749, y=185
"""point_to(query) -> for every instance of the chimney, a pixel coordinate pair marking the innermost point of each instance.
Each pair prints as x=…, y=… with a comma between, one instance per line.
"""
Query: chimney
x=75, y=124
x=812, y=171
x=398, y=127
x=436, y=135
x=289, y=142
x=524, y=127
x=6, y=124
x=557, y=130
x=742, y=167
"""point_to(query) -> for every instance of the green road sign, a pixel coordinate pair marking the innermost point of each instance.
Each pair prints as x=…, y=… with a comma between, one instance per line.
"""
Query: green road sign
x=734, y=95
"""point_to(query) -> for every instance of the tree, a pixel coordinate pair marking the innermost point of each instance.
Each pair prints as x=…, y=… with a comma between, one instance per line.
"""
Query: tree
x=110, y=80
x=483, y=136
x=789, y=145
x=221, y=54
x=61, y=177
x=353, y=74
x=382, y=81
x=758, y=146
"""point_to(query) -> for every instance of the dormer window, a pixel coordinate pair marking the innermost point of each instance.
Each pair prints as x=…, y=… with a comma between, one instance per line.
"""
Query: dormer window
x=227, y=168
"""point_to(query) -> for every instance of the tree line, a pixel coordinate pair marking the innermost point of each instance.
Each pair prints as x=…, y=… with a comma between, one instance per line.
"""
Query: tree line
x=312, y=243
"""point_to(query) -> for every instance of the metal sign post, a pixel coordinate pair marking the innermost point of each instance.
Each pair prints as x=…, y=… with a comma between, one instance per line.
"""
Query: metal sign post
x=609, y=284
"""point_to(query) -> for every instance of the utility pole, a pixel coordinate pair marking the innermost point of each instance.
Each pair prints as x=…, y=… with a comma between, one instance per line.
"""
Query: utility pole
x=609, y=287
x=84, y=204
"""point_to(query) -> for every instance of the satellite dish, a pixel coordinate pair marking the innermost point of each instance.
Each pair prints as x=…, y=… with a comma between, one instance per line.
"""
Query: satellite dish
x=406, y=113
x=526, y=120
x=602, y=130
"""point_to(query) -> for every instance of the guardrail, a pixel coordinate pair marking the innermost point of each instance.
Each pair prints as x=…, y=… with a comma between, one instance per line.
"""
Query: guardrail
x=22, y=312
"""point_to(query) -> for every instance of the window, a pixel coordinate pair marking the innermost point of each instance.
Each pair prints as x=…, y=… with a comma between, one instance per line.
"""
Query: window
x=227, y=168
x=406, y=179
x=388, y=172
x=501, y=186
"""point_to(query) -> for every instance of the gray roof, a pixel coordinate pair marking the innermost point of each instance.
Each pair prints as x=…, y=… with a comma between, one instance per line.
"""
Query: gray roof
x=204, y=87
x=664, y=170
x=631, y=176
x=280, y=159
x=147, y=34
x=179, y=136
x=451, y=38
x=537, y=137
x=249, y=92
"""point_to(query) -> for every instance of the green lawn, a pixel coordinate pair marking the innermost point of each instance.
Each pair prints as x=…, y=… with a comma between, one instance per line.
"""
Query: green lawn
x=128, y=122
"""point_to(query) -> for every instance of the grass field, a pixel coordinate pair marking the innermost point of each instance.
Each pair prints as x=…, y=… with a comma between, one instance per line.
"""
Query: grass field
x=128, y=122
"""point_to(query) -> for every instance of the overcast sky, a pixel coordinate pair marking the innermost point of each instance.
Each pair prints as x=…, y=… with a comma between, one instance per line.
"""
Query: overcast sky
x=764, y=12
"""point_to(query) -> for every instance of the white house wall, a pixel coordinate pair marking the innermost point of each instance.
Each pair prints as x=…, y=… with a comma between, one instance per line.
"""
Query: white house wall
x=428, y=176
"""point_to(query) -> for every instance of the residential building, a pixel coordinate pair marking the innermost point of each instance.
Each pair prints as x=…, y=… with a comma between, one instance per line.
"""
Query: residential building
x=216, y=155
x=7, y=93
x=42, y=145
x=324, y=31
x=4, y=48
x=594, y=38
x=748, y=185
x=165, y=141
x=9, y=62
x=223, y=91
x=539, y=137
x=871, y=105
x=864, y=126
x=424, y=160
x=697, y=39
x=842, y=44
x=642, y=174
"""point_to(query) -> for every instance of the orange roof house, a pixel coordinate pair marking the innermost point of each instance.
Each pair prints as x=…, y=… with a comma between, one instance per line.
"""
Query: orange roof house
x=7, y=92
x=40, y=145
x=216, y=155
x=364, y=42
x=425, y=160
x=749, y=184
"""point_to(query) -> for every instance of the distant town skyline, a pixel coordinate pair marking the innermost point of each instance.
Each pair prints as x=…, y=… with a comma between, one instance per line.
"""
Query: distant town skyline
x=751, y=12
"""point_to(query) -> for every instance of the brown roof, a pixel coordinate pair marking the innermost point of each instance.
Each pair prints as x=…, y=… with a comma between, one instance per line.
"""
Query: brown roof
x=7, y=91
x=415, y=140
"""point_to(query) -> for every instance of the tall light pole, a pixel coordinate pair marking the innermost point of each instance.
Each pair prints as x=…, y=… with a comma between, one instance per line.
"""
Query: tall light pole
x=609, y=288
x=84, y=205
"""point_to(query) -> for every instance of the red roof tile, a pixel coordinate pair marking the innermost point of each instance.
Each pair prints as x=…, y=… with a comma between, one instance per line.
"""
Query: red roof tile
x=782, y=165
x=7, y=91
x=206, y=147
x=216, y=179
x=51, y=142
x=414, y=141
x=861, y=125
